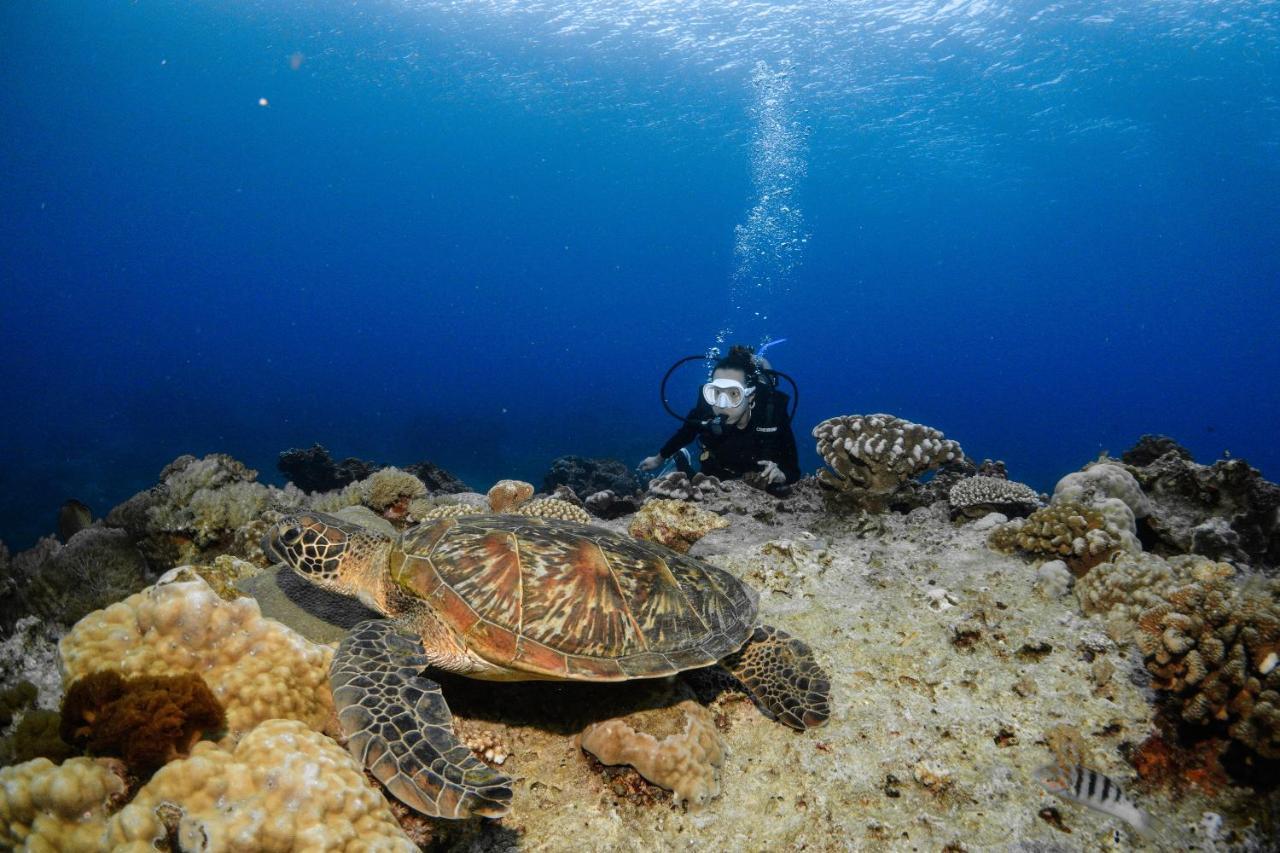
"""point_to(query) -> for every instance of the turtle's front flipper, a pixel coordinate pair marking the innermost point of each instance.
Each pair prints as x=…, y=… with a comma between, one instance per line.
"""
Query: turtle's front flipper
x=782, y=677
x=399, y=727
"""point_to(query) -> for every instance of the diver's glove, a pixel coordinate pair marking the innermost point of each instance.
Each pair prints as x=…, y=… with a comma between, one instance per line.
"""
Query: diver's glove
x=771, y=473
x=649, y=463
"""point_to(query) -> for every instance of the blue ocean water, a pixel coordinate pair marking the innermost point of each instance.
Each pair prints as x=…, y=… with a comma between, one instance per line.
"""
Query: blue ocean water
x=479, y=232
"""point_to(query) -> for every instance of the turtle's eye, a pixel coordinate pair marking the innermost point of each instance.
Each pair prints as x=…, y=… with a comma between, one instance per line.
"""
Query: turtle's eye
x=290, y=535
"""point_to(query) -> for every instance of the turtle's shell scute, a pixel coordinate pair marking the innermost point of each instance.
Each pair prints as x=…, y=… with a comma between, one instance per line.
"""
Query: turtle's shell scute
x=567, y=600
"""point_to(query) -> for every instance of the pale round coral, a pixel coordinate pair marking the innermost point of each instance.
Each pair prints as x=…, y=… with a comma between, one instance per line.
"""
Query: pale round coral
x=48, y=807
x=686, y=762
x=284, y=788
x=258, y=668
x=1103, y=480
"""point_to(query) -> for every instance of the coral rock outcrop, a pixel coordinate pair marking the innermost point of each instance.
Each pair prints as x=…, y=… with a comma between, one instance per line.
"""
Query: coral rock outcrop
x=675, y=524
x=677, y=748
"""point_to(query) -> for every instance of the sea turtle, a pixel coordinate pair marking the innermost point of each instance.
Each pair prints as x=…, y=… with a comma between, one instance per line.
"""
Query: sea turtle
x=508, y=598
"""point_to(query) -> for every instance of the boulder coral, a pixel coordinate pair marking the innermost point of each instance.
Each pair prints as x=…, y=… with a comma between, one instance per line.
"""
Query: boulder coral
x=58, y=807
x=283, y=788
x=257, y=668
x=875, y=454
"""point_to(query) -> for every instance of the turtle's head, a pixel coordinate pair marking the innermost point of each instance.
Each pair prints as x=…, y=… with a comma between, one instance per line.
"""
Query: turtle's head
x=331, y=553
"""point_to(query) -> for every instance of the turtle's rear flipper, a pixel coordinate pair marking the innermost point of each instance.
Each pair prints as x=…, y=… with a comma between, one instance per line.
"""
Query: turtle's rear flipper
x=399, y=727
x=782, y=677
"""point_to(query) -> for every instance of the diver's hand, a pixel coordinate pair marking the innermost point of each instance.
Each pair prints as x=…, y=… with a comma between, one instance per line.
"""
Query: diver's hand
x=772, y=473
x=650, y=462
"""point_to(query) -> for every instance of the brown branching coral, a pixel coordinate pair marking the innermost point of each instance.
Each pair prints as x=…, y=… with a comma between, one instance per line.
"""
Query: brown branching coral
x=1079, y=536
x=1213, y=646
x=875, y=454
x=147, y=720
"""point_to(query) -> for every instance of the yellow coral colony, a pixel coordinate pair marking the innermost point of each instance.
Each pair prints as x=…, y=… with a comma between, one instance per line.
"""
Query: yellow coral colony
x=258, y=668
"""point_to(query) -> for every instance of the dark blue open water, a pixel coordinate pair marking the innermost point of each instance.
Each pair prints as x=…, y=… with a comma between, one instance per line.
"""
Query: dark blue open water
x=478, y=233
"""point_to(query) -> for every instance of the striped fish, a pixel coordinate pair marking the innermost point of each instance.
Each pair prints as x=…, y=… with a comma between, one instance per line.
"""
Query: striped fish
x=1095, y=790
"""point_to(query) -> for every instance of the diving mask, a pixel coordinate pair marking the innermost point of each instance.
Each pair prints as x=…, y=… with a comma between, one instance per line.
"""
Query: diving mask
x=726, y=393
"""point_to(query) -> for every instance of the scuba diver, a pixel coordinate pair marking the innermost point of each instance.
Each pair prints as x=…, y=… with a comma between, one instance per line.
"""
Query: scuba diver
x=742, y=423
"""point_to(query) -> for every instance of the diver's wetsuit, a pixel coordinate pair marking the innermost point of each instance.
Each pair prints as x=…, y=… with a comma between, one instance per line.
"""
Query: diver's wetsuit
x=736, y=451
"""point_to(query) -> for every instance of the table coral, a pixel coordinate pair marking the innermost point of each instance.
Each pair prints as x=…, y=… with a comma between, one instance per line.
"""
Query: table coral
x=283, y=788
x=675, y=524
x=63, y=808
x=1212, y=645
x=257, y=668
x=676, y=747
x=876, y=454
x=975, y=497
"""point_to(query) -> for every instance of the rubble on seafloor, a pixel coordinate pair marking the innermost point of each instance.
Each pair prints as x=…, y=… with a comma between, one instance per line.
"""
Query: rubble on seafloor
x=956, y=672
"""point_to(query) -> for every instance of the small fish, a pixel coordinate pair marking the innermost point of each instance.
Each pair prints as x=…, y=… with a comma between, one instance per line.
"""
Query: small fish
x=1095, y=790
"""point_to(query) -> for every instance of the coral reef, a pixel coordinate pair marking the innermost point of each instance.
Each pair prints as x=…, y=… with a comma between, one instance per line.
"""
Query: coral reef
x=437, y=480
x=675, y=524
x=1054, y=579
x=679, y=486
x=875, y=454
x=63, y=808
x=586, y=476
x=1150, y=448
x=73, y=516
x=975, y=497
x=62, y=583
x=1213, y=646
x=313, y=469
x=257, y=668
x=201, y=508
x=1079, y=536
x=608, y=504
x=146, y=720
x=1224, y=511
x=283, y=787
x=676, y=747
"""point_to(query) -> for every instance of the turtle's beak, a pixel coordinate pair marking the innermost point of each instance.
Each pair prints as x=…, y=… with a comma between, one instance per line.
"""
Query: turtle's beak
x=269, y=547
